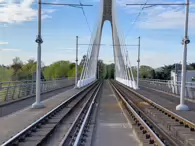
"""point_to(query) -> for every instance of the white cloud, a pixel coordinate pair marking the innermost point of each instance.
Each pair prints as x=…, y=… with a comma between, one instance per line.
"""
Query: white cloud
x=14, y=12
x=3, y=43
x=68, y=49
x=163, y=18
x=10, y=50
x=160, y=17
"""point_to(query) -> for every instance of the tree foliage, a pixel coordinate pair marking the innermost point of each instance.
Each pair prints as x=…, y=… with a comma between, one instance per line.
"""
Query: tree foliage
x=20, y=70
x=110, y=71
x=146, y=72
x=5, y=73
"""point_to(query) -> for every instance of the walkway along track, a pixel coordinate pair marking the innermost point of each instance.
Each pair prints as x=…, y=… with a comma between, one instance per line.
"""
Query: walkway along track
x=156, y=122
x=41, y=131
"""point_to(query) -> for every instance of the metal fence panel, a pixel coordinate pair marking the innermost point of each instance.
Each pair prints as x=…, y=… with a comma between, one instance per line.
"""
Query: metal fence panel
x=20, y=89
x=170, y=87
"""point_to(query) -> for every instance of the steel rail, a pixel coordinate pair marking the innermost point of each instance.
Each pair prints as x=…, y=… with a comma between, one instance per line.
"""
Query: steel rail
x=63, y=141
x=21, y=133
x=86, y=118
x=163, y=135
x=188, y=123
x=142, y=122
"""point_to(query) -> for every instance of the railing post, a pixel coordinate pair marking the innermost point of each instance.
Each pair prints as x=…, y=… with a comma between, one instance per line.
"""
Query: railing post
x=7, y=92
x=19, y=90
x=13, y=92
x=31, y=89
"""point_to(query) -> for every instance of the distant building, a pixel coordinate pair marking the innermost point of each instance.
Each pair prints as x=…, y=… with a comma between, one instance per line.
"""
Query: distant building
x=175, y=83
x=176, y=76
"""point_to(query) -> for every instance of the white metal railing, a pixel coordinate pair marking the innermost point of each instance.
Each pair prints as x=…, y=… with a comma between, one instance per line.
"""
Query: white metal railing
x=170, y=87
x=178, y=82
x=19, y=89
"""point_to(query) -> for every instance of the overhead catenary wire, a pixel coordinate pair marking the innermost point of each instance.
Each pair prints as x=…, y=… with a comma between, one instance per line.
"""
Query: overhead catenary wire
x=85, y=17
x=138, y=15
x=86, y=62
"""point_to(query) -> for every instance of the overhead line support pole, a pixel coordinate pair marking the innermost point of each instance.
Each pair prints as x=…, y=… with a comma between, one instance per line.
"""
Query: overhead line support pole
x=138, y=63
x=76, y=68
x=39, y=41
x=185, y=42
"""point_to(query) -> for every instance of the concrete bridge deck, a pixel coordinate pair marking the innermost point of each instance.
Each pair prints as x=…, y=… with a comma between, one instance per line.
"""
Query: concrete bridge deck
x=111, y=124
x=112, y=127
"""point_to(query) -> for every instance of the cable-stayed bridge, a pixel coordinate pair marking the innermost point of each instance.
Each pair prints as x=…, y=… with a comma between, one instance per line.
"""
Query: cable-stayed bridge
x=122, y=62
x=89, y=111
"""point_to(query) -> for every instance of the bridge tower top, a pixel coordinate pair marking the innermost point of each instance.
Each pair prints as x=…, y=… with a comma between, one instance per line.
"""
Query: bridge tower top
x=107, y=10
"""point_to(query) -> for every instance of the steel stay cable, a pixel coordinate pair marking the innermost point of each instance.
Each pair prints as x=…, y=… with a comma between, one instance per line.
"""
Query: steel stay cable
x=136, y=18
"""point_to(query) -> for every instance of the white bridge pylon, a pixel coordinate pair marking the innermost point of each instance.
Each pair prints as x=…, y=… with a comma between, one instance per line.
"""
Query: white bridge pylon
x=123, y=70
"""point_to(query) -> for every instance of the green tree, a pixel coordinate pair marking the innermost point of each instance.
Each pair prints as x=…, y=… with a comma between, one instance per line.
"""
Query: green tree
x=58, y=69
x=16, y=66
x=110, y=71
x=83, y=60
x=101, y=69
x=192, y=65
x=28, y=70
x=5, y=73
x=146, y=72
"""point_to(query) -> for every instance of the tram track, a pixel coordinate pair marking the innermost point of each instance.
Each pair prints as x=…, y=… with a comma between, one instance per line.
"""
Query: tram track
x=52, y=127
x=73, y=121
x=154, y=121
x=79, y=132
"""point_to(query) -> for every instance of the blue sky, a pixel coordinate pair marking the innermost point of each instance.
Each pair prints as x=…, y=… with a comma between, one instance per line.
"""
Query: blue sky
x=161, y=30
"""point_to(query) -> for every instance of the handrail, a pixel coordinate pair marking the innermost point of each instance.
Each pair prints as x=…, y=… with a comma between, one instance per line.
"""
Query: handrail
x=14, y=91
